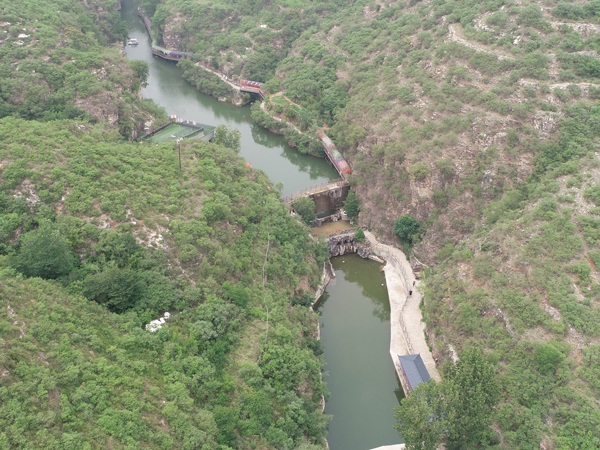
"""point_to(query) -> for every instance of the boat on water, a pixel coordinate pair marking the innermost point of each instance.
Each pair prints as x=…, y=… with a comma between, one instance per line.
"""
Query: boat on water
x=133, y=42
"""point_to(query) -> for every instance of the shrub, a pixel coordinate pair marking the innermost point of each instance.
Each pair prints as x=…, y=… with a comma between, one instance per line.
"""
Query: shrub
x=547, y=357
x=420, y=170
x=440, y=198
x=237, y=294
x=359, y=235
x=118, y=289
x=305, y=207
x=445, y=167
x=568, y=11
x=498, y=19
x=44, y=253
x=407, y=228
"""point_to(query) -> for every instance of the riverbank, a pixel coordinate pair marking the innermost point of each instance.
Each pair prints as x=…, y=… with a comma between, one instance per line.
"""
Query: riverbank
x=406, y=321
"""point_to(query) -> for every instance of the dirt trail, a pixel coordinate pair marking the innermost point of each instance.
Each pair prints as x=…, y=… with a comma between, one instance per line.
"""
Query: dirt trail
x=406, y=320
x=456, y=34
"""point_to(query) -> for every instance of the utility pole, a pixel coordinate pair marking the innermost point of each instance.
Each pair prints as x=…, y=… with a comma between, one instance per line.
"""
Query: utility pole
x=179, y=146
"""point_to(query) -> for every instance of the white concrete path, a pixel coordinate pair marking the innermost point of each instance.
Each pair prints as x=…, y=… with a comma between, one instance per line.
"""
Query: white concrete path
x=406, y=321
x=391, y=447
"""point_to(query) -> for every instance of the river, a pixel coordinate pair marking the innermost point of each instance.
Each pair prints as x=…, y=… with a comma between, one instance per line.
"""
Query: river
x=355, y=335
x=355, y=320
x=261, y=148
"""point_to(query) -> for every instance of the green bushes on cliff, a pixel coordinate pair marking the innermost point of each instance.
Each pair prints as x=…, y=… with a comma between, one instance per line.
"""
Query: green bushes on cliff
x=119, y=235
x=67, y=66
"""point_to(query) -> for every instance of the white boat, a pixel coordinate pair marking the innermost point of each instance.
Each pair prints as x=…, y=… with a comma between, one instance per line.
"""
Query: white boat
x=132, y=42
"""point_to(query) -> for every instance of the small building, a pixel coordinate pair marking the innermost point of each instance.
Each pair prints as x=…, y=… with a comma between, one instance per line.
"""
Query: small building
x=413, y=370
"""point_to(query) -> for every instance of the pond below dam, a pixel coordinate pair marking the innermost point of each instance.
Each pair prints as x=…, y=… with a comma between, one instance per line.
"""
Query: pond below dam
x=355, y=335
x=355, y=320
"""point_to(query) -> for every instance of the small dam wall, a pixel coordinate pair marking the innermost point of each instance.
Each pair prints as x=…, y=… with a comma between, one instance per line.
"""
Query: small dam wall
x=330, y=200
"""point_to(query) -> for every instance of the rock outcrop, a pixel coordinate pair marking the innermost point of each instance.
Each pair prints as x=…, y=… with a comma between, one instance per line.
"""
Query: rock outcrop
x=342, y=244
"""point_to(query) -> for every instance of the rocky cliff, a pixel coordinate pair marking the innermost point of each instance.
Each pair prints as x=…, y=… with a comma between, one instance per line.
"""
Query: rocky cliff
x=343, y=244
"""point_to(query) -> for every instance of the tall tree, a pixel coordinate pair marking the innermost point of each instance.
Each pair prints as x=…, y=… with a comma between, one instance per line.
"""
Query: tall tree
x=351, y=205
x=421, y=418
x=472, y=392
x=407, y=229
x=460, y=407
x=228, y=138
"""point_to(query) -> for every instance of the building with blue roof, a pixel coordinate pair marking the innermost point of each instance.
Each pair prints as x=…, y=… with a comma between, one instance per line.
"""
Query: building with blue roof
x=414, y=371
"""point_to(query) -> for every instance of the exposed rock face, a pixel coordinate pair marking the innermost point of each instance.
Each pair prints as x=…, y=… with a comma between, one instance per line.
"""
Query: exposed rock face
x=343, y=244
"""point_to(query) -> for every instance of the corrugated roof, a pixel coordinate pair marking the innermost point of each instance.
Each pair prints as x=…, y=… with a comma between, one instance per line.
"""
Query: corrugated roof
x=414, y=369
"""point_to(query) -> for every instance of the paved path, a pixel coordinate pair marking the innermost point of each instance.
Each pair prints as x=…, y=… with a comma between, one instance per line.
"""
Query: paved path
x=220, y=75
x=391, y=447
x=406, y=321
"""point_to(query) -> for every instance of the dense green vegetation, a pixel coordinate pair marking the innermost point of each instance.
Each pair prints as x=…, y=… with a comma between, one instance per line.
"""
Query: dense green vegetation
x=524, y=286
x=352, y=205
x=61, y=61
x=99, y=237
x=458, y=410
x=122, y=235
x=408, y=229
x=477, y=120
x=305, y=207
x=475, y=123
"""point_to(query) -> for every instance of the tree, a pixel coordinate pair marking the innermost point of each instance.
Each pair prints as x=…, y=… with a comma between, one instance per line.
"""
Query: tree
x=44, y=253
x=407, y=229
x=237, y=294
x=305, y=207
x=459, y=407
x=118, y=289
x=352, y=205
x=471, y=394
x=421, y=418
x=227, y=138
x=359, y=235
x=141, y=69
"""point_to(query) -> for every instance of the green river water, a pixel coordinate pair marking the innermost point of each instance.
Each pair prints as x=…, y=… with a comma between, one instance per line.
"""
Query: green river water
x=355, y=309
x=261, y=148
x=355, y=335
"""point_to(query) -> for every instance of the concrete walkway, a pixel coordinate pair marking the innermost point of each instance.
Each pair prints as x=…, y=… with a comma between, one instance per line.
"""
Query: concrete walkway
x=391, y=447
x=406, y=321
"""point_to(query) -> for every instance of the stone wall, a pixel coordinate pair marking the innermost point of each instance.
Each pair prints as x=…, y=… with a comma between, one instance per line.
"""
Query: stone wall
x=330, y=200
x=332, y=218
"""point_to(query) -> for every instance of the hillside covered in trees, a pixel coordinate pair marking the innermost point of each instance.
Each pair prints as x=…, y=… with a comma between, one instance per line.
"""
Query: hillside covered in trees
x=479, y=120
x=117, y=236
x=100, y=237
x=62, y=60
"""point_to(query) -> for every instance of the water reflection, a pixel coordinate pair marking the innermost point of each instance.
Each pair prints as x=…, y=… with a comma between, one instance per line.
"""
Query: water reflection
x=360, y=373
x=261, y=148
x=373, y=288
